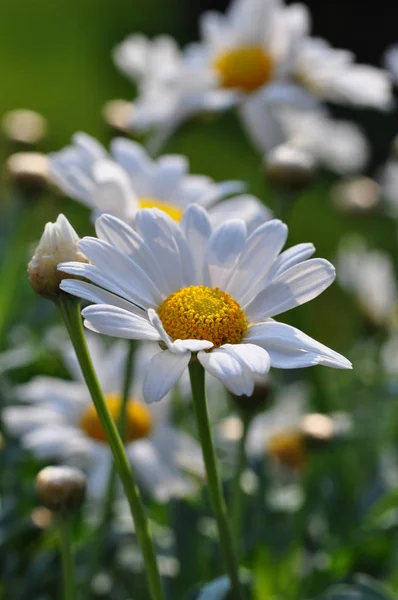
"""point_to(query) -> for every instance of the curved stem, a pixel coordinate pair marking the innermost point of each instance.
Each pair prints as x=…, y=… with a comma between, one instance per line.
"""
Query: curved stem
x=197, y=376
x=66, y=558
x=107, y=506
x=70, y=311
x=237, y=496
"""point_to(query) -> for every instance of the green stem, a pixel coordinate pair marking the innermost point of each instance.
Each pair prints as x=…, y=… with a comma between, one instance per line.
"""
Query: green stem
x=66, y=558
x=197, y=376
x=70, y=311
x=107, y=506
x=12, y=268
x=237, y=496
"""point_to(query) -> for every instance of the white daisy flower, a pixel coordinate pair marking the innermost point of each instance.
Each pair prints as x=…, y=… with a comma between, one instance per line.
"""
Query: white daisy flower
x=203, y=292
x=128, y=179
x=369, y=275
x=258, y=48
x=167, y=95
x=57, y=420
x=276, y=431
x=337, y=145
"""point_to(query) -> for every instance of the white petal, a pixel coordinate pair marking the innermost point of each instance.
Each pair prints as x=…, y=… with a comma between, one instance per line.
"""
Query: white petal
x=293, y=287
x=290, y=257
x=252, y=356
x=113, y=192
x=222, y=252
x=122, y=271
x=164, y=370
x=245, y=207
x=231, y=371
x=157, y=477
x=117, y=322
x=290, y=348
x=21, y=419
x=197, y=229
x=168, y=245
x=191, y=345
x=95, y=294
x=261, y=249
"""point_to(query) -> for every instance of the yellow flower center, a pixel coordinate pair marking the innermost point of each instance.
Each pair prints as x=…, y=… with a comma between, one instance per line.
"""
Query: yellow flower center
x=138, y=419
x=289, y=448
x=246, y=68
x=173, y=211
x=203, y=313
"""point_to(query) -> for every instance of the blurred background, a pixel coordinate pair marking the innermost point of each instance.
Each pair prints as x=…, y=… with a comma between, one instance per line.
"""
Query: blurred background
x=55, y=58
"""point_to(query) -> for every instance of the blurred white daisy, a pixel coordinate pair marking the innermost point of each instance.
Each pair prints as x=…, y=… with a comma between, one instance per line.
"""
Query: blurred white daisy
x=57, y=420
x=258, y=48
x=169, y=93
x=339, y=146
x=369, y=275
x=128, y=179
x=203, y=292
x=389, y=186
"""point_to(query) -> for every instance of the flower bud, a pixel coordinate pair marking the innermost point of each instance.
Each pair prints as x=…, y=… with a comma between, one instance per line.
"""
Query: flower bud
x=118, y=114
x=289, y=167
x=356, y=196
x=62, y=489
x=28, y=171
x=58, y=244
x=24, y=126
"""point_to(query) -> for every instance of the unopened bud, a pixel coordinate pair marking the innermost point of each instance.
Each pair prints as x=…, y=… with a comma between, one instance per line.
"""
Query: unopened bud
x=118, y=114
x=57, y=244
x=320, y=430
x=61, y=489
x=24, y=126
x=28, y=171
x=358, y=195
x=289, y=167
x=258, y=400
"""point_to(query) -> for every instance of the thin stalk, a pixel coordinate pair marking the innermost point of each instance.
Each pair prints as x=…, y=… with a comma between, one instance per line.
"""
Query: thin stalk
x=237, y=498
x=107, y=506
x=13, y=267
x=197, y=376
x=65, y=545
x=70, y=311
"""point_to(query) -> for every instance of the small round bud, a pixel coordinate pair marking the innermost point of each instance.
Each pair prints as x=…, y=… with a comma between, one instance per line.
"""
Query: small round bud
x=24, y=126
x=289, y=167
x=41, y=517
x=317, y=427
x=259, y=398
x=358, y=195
x=118, y=114
x=57, y=244
x=61, y=489
x=28, y=171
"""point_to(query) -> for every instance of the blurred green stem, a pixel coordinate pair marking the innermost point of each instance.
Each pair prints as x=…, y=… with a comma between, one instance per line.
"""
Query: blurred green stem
x=197, y=376
x=70, y=311
x=13, y=266
x=65, y=543
x=107, y=506
x=237, y=498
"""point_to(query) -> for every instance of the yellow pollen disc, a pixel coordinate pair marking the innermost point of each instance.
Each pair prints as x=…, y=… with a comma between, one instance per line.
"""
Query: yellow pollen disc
x=288, y=447
x=245, y=68
x=173, y=211
x=203, y=313
x=138, y=419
